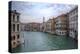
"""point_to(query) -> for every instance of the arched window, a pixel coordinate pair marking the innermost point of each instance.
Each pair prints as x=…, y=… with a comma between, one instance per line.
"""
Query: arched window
x=18, y=36
x=13, y=27
x=13, y=37
x=13, y=17
x=14, y=43
x=17, y=27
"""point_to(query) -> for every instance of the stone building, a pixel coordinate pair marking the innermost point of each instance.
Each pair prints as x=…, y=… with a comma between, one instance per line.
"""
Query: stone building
x=50, y=26
x=53, y=26
x=61, y=24
x=15, y=29
x=73, y=23
x=33, y=26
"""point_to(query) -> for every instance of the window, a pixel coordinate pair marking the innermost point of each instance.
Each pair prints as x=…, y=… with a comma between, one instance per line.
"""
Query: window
x=75, y=18
x=18, y=36
x=14, y=43
x=13, y=17
x=13, y=38
x=13, y=27
x=17, y=27
x=18, y=18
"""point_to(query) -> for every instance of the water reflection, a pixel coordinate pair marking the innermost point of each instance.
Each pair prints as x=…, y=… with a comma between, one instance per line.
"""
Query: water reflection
x=39, y=41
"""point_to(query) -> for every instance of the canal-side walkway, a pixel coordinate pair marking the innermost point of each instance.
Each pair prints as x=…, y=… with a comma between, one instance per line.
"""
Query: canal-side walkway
x=39, y=41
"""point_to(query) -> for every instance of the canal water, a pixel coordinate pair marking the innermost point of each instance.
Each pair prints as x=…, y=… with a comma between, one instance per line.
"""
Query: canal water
x=39, y=41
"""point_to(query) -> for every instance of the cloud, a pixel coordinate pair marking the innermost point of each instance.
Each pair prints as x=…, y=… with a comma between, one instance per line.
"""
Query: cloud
x=31, y=11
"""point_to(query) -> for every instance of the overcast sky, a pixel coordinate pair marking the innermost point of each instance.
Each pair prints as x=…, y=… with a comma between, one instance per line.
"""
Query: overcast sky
x=34, y=12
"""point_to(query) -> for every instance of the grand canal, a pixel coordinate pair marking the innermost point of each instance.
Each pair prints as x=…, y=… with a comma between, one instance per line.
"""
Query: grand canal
x=39, y=41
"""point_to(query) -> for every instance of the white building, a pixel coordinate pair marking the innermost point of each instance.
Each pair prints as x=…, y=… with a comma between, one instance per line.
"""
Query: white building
x=73, y=23
x=15, y=29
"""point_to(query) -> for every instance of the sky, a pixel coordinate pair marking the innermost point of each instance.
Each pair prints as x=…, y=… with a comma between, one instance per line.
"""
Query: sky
x=34, y=12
